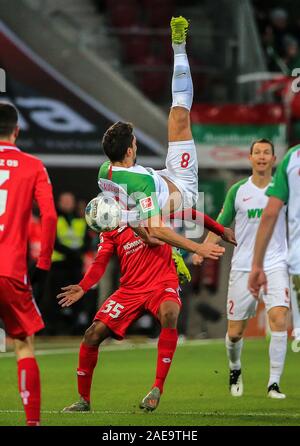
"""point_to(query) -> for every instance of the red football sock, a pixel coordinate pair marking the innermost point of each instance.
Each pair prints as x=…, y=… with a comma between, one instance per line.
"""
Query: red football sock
x=166, y=348
x=30, y=389
x=88, y=356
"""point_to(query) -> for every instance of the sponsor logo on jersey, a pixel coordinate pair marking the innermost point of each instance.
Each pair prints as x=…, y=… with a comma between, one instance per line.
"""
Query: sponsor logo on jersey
x=121, y=228
x=255, y=213
x=131, y=245
x=247, y=199
x=108, y=186
x=147, y=204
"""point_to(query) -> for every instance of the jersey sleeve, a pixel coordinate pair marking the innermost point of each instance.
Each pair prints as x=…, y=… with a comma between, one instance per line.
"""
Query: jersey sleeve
x=279, y=186
x=98, y=267
x=43, y=195
x=146, y=198
x=228, y=211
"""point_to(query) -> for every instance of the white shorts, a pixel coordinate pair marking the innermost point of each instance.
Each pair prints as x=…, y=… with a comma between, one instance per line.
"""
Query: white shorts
x=241, y=304
x=182, y=170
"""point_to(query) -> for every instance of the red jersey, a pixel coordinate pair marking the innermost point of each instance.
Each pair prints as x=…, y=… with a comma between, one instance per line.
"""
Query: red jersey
x=23, y=178
x=142, y=268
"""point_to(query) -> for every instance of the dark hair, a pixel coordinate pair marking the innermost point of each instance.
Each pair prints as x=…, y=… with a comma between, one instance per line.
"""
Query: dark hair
x=262, y=141
x=8, y=118
x=117, y=139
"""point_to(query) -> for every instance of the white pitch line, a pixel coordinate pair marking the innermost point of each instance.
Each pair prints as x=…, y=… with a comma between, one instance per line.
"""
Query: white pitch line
x=205, y=414
x=111, y=348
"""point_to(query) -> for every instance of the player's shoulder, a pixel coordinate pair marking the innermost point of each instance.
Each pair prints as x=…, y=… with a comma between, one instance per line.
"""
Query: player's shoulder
x=292, y=154
x=111, y=235
x=103, y=169
x=233, y=190
x=32, y=159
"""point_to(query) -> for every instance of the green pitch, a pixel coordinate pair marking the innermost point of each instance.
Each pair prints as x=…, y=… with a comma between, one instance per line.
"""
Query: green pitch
x=196, y=392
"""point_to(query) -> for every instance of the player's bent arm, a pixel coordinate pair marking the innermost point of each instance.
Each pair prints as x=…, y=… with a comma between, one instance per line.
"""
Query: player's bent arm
x=195, y=216
x=265, y=230
x=167, y=235
x=98, y=267
x=72, y=293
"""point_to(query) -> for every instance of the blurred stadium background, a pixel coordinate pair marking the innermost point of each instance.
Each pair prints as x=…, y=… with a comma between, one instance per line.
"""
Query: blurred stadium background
x=74, y=66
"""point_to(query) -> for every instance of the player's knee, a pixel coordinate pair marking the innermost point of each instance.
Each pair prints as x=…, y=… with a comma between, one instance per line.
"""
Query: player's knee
x=169, y=318
x=180, y=118
x=235, y=335
x=278, y=320
x=93, y=336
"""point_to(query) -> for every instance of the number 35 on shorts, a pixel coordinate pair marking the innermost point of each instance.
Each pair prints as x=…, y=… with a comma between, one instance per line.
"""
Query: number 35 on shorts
x=113, y=309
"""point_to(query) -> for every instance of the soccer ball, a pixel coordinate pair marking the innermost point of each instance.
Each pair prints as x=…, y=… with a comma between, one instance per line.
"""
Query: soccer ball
x=103, y=214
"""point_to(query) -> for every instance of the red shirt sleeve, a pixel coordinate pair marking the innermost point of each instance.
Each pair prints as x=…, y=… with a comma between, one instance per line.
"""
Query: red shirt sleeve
x=197, y=217
x=44, y=197
x=98, y=267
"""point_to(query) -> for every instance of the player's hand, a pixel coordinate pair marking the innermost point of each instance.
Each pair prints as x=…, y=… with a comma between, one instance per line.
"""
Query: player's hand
x=210, y=251
x=197, y=260
x=70, y=295
x=229, y=236
x=257, y=279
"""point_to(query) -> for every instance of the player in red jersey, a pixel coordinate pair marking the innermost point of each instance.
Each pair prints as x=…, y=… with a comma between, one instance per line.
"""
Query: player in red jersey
x=23, y=179
x=148, y=282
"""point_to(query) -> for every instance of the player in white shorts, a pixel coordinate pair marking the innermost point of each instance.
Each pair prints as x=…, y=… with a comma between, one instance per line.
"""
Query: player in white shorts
x=149, y=194
x=244, y=203
x=284, y=190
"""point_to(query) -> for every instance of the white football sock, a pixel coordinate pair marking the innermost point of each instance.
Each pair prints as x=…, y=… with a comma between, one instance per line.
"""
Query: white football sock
x=234, y=351
x=182, y=84
x=277, y=352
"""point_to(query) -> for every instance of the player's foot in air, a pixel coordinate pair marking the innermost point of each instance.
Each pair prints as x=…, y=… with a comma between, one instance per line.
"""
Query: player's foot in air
x=80, y=406
x=151, y=400
x=274, y=392
x=236, y=383
x=179, y=27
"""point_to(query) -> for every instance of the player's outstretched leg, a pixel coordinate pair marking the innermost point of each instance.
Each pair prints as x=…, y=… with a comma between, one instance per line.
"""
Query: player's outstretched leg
x=181, y=162
x=88, y=357
x=167, y=342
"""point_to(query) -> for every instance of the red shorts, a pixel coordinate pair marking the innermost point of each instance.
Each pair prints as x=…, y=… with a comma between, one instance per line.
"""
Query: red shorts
x=121, y=309
x=18, y=309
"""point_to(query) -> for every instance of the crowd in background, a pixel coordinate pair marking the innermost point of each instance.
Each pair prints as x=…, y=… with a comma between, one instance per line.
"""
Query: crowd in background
x=280, y=33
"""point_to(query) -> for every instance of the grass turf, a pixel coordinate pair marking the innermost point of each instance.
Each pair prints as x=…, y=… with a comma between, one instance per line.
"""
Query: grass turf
x=196, y=391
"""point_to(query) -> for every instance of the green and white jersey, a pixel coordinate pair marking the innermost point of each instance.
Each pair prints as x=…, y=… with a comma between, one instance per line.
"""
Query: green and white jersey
x=136, y=188
x=286, y=187
x=245, y=203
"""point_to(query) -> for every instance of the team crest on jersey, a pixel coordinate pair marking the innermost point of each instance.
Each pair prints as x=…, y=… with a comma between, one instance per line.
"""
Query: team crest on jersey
x=146, y=204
